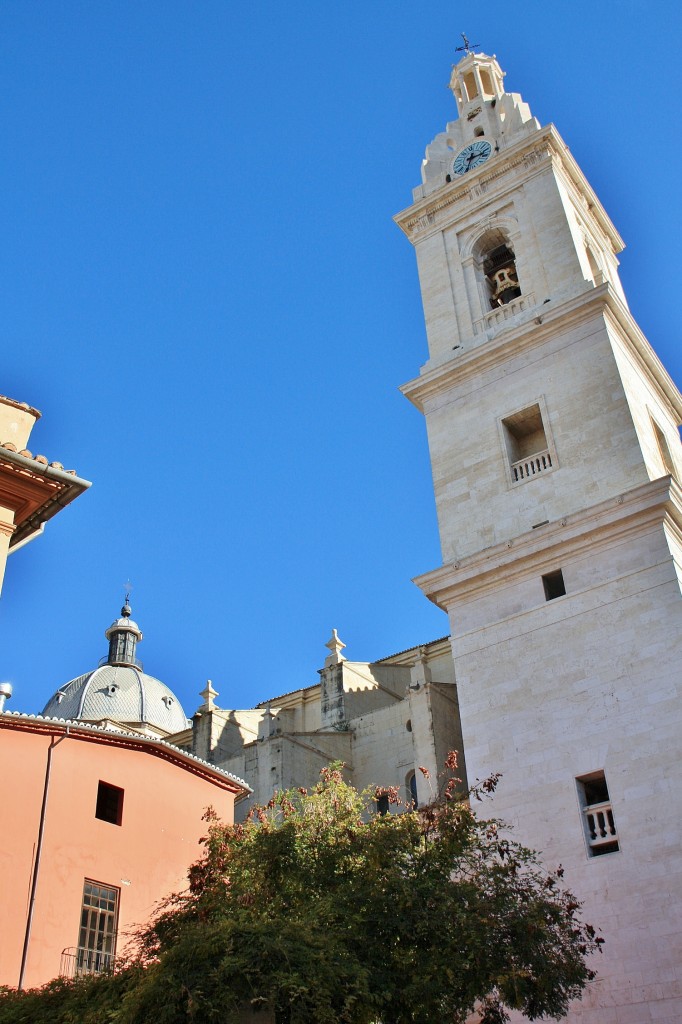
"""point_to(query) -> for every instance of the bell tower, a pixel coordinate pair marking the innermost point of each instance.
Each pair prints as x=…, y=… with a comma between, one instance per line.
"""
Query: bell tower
x=556, y=459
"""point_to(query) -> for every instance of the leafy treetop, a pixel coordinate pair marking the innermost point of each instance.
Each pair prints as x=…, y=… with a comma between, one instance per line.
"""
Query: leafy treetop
x=318, y=911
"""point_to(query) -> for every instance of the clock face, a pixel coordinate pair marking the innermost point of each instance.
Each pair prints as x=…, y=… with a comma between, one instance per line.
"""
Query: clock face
x=475, y=154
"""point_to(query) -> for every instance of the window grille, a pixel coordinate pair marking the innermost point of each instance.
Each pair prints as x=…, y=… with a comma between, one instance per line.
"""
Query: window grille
x=97, y=936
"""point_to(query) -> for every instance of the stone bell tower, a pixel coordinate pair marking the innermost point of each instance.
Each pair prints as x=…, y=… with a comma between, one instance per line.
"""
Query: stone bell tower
x=553, y=434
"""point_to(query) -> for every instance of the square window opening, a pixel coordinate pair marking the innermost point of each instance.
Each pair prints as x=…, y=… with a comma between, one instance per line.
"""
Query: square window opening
x=526, y=443
x=554, y=585
x=109, y=803
x=598, y=820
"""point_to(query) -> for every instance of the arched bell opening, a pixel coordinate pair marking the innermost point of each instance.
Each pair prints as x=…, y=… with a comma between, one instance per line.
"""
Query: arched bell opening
x=496, y=269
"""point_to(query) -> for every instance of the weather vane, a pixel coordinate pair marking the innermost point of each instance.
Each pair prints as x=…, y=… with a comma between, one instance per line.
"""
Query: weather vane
x=467, y=45
x=127, y=586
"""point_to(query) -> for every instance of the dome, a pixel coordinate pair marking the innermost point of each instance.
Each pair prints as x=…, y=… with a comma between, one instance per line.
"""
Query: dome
x=122, y=694
x=119, y=690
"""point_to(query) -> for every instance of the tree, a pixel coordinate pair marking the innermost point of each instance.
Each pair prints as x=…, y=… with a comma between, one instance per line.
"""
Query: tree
x=322, y=911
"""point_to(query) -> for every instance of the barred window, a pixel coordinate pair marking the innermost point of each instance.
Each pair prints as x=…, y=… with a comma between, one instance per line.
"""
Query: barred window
x=97, y=935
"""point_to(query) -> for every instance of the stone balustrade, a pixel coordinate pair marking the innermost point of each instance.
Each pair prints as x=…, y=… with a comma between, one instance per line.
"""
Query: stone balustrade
x=532, y=465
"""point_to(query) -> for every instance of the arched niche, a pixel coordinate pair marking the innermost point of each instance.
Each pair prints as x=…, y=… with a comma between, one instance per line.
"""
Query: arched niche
x=494, y=260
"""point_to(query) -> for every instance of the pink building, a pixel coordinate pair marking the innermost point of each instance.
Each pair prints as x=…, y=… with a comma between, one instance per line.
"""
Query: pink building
x=96, y=826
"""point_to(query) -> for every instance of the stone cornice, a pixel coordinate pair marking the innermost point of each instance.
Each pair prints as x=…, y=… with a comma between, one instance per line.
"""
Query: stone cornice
x=424, y=218
x=534, y=151
x=591, y=303
x=483, y=356
x=534, y=552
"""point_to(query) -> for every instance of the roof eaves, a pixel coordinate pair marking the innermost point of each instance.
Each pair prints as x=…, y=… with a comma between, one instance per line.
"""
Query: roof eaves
x=429, y=643
x=88, y=727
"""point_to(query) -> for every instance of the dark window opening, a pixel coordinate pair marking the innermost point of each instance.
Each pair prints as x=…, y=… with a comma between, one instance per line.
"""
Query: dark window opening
x=598, y=820
x=109, y=803
x=382, y=804
x=554, y=585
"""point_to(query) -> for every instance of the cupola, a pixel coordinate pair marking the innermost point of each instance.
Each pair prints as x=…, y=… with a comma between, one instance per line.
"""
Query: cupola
x=123, y=635
x=118, y=693
x=476, y=78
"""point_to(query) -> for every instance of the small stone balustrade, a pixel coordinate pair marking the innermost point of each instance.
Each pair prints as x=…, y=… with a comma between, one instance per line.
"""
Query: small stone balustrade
x=531, y=466
x=601, y=828
x=499, y=314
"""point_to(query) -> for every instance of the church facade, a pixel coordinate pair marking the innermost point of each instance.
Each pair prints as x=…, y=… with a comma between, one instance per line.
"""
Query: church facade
x=383, y=719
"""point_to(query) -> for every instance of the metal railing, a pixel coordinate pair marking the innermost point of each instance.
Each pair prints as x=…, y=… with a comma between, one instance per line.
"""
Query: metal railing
x=134, y=662
x=75, y=962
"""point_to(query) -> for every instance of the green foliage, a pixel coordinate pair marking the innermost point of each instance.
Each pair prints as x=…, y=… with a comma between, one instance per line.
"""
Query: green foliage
x=327, y=913
x=83, y=1001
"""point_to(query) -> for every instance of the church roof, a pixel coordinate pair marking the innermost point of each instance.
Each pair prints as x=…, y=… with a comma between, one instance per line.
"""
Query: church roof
x=120, y=737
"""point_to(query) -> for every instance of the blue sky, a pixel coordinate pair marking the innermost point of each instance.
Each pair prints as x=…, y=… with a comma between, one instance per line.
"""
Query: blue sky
x=203, y=290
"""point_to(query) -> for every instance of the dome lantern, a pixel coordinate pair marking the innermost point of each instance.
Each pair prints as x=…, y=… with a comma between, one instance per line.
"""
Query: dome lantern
x=118, y=692
x=123, y=635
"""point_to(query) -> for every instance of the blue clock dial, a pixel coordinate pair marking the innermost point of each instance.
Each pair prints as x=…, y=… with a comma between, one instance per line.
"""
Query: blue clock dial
x=475, y=154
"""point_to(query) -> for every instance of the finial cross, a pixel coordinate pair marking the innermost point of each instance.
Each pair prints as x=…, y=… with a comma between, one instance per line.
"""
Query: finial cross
x=467, y=45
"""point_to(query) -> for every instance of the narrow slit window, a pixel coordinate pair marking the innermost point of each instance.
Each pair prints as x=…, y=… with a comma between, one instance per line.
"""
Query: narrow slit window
x=411, y=787
x=109, y=803
x=554, y=585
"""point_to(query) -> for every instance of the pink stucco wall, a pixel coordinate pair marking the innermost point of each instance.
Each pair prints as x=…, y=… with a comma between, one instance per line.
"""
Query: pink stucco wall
x=146, y=857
